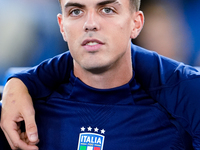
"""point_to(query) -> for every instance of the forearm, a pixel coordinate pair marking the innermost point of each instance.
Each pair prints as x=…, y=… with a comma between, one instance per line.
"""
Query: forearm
x=17, y=106
x=14, y=86
x=15, y=97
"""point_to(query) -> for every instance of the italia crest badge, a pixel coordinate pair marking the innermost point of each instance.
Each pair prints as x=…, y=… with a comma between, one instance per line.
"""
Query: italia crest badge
x=90, y=139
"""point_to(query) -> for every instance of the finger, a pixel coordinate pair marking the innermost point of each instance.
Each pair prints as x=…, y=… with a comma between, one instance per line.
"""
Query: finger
x=15, y=142
x=31, y=128
x=9, y=141
x=8, y=127
x=18, y=128
x=24, y=137
x=22, y=144
x=33, y=143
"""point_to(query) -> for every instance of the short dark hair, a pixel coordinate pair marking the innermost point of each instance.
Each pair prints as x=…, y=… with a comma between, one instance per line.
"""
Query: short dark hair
x=135, y=3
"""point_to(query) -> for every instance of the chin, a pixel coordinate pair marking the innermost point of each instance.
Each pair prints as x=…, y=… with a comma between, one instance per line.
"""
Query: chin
x=97, y=69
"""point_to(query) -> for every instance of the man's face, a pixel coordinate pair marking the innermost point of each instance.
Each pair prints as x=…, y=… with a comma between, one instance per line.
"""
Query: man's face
x=98, y=32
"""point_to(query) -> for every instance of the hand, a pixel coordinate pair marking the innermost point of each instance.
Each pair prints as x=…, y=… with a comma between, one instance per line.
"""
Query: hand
x=17, y=106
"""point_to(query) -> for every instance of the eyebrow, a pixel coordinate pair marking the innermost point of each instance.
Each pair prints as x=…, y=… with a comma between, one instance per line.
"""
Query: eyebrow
x=74, y=4
x=107, y=2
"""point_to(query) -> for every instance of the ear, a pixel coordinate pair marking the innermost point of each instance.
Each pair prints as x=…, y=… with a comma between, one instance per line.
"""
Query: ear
x=138, y=20
x=60, y=23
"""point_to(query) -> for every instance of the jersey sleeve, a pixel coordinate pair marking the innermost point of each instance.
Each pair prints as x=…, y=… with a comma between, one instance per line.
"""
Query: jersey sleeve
x=42, y=79
x=174, y=85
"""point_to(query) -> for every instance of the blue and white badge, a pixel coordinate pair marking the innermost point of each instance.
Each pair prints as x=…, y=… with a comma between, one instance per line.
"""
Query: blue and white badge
x=91, y=141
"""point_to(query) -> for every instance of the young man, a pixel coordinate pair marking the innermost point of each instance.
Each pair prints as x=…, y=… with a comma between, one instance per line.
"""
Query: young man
x=98, y=101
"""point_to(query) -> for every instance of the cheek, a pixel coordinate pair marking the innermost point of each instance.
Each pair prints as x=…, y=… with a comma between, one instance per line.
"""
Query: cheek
x=123, y=33
x=74, y=33
x=70, y=32
x=73, y=37
x=123, y=27
x=120, y=39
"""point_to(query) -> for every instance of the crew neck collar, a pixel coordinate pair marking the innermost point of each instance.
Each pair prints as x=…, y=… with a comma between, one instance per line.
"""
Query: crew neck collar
x=119, y=95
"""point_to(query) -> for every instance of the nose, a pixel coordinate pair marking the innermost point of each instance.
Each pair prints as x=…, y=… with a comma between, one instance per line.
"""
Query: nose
x=91, y=23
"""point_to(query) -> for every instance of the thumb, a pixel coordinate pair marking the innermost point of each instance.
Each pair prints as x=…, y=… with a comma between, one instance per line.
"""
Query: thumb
x=31, y=128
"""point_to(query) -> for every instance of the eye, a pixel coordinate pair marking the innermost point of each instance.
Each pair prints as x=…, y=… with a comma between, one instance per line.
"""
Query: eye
x=76, y=12
x=107, y=10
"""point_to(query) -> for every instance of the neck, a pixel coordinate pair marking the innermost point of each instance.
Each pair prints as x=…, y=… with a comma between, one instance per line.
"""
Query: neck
x=116, y=75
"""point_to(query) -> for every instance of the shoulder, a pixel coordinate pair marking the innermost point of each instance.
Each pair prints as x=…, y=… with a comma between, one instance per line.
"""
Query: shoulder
x=66, y=56
x=153, y=70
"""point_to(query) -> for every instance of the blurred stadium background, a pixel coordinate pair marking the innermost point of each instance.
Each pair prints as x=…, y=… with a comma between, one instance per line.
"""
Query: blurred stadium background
x=29, y=32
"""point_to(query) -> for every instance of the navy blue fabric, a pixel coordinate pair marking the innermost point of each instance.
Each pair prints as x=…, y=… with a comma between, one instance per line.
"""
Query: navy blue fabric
x=171, y=90
x=174, y=85
x=128, y=124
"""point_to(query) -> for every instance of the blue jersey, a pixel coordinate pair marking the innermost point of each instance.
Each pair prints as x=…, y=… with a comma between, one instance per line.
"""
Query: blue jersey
x=76, y=116
x=157, y=109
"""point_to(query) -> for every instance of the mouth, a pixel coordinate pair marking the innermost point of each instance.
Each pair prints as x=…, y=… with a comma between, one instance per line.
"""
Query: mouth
x=92, y=45
x=91, y=42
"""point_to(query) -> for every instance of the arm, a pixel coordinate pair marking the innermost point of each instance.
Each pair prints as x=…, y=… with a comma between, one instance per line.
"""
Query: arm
x=13, y=98
x=39, y=82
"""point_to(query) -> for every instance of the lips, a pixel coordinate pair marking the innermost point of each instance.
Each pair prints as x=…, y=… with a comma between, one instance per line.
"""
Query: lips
x=92, y=45
x=91, y=42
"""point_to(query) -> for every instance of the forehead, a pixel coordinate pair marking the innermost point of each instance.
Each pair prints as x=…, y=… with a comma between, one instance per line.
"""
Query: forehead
x=94, y=2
